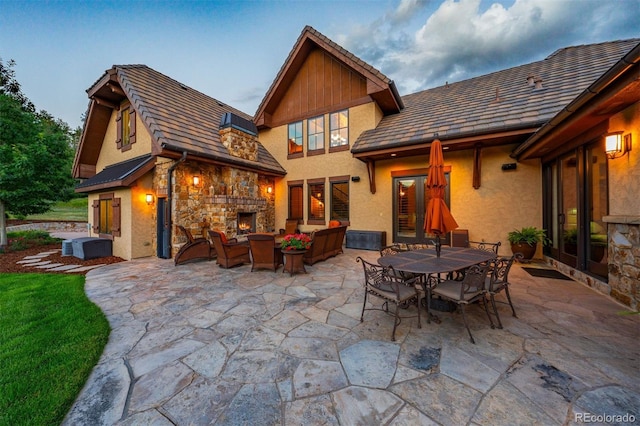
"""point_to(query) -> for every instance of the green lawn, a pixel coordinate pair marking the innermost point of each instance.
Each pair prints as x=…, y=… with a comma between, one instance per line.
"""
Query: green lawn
x=73, y=210
x=51, y=337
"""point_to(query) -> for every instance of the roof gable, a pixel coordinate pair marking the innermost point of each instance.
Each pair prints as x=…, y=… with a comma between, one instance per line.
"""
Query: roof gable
x=178, y=118
x=503, y=102
x=317, y=62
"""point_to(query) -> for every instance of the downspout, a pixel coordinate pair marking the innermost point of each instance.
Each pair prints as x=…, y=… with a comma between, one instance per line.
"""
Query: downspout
x=169, y=200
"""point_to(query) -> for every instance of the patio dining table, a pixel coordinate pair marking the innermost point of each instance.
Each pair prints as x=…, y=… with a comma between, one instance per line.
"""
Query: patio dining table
x=426, y=262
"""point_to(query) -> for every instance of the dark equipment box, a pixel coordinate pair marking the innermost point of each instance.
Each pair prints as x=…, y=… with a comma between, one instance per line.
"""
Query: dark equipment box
x=366, y=240
x=91, y=247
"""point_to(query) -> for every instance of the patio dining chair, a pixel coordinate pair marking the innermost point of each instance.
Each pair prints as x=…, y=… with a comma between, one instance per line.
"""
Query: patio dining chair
x=386, y=284
x=483, y=245
x=498, y=280
x=470, y=290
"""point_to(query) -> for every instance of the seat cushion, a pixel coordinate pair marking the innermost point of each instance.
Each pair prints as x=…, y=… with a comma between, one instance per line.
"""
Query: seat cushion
x=451, y=290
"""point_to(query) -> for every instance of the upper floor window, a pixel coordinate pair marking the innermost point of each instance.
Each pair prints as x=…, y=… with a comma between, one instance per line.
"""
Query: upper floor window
x=315, y=134
x=295, y=138
x=339, y=127
x=126, y=124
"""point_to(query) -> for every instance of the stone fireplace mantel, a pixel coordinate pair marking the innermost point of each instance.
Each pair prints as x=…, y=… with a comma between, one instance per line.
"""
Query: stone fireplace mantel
x=237, y=200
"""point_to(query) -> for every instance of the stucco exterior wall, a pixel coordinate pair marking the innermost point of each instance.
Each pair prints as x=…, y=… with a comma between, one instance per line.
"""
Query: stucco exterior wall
x=624, y=172
x=506, y=200
x=361, y=118
x=109, y=152
x=137, y=221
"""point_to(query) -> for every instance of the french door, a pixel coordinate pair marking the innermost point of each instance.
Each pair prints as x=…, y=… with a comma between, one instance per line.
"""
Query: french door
x=409, y=206
x=576, y=200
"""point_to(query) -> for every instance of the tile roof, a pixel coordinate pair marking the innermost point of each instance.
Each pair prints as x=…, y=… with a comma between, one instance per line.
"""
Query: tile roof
x=180, y=118
x=120, y=174
x=495, y=102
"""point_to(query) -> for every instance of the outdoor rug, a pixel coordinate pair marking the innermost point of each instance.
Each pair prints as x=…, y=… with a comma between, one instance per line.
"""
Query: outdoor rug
x=546, y=273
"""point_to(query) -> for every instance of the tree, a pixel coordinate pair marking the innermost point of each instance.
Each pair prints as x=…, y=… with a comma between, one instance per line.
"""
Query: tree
x=36, y=155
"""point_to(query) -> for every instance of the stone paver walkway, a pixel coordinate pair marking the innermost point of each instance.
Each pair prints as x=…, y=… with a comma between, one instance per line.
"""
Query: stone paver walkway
x=39, y=261
x=199, y=345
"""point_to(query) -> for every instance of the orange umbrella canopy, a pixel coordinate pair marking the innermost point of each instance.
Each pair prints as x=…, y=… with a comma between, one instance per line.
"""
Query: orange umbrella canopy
x=438, y=219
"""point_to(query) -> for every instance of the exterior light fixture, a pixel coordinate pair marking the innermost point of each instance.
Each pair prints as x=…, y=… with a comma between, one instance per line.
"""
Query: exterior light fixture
x=196, y=180
x=149, y=199
x=269, y=189
x=616, y=146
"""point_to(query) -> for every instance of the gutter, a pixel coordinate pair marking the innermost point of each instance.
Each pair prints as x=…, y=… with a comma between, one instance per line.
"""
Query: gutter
x=630, y=59
x=169, y=201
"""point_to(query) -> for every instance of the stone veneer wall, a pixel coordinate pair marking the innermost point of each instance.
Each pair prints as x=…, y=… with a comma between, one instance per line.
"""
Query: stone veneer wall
x=624, y=259
x=214, y=204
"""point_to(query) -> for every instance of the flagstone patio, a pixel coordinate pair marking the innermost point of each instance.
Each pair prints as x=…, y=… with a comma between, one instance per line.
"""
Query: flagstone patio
x=197, y=344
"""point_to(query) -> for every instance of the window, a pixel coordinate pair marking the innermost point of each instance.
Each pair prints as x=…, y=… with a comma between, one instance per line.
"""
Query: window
x=339, y=199
x=295, y=138
x=315, y=132
x=316, y=202
x=295, y=200
x=126, y=125
x=106, y=216
x=339, y=126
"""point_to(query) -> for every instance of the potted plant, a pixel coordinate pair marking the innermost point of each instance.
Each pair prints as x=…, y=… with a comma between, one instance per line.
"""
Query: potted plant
x=296, y=242
x=525, y=240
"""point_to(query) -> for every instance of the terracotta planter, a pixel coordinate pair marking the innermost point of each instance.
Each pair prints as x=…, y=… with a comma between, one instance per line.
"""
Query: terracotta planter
x=526, y=250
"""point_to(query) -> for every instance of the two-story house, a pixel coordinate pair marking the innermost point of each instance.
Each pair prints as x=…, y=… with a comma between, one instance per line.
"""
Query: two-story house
x=334, y=140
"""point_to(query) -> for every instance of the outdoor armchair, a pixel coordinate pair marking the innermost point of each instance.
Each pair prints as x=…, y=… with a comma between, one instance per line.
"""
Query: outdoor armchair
x=230, y=253
x=265, y=254
x=193, y=249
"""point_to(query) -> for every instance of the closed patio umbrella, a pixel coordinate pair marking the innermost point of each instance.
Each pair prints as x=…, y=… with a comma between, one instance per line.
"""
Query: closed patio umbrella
x=438, y=219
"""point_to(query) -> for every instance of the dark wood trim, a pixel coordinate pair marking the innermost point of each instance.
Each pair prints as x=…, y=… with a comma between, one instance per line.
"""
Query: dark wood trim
x=316, y=152
x=477, y=166
x=321, y=111
x=299, y=182
x=317, y=222
x=343, y=178
x=371, y=171
x=416, y=172
x=339, y=148
x=296, y=155
x=115, y=89
x=103, y=102
x=315, y=181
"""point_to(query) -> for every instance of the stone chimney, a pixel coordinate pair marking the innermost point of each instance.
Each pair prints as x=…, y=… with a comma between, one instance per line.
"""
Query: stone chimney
x=239, y=136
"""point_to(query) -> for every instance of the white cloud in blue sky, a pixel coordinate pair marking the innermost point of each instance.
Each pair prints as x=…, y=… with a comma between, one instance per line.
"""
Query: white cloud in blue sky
x=232, y=50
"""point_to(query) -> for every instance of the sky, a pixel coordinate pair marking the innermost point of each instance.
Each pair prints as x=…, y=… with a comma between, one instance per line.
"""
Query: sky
x=233, y=50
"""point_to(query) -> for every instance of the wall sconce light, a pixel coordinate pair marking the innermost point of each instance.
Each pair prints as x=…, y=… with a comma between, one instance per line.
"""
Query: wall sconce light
x=616, y=146
x=196, y=180
x=149, y=199
x=269, y=189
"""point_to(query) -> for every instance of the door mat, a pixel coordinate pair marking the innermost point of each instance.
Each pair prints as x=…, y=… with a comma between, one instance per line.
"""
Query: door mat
x=546, y=273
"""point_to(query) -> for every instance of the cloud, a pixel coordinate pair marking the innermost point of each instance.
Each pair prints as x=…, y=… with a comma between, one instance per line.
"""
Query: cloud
x=459, y=40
